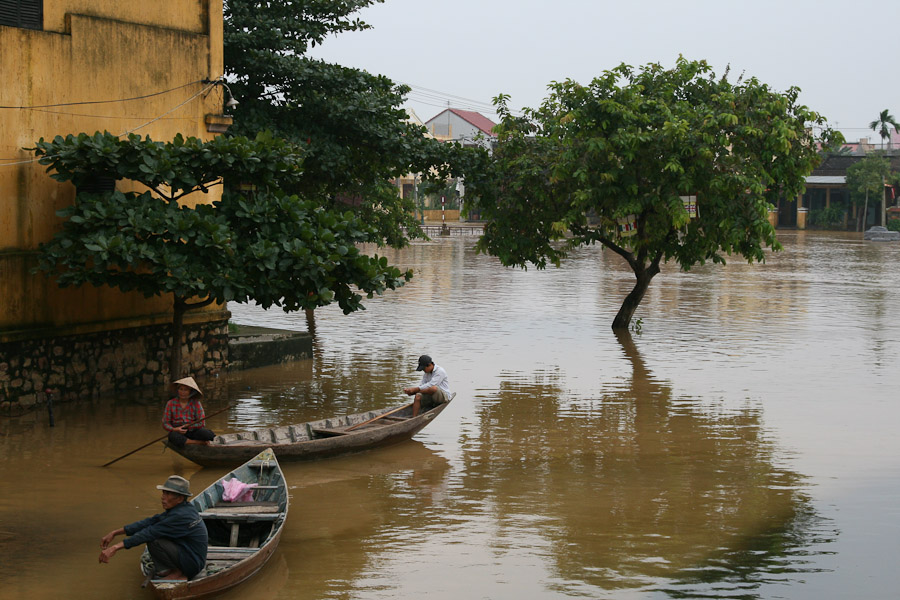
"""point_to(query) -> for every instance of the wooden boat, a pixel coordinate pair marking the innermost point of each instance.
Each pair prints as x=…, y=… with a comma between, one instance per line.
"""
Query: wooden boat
x=315, y=439
x=242, y=535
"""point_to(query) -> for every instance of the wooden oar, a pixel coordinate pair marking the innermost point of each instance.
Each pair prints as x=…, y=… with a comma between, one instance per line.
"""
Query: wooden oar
x=166, y=435
x=381, y=416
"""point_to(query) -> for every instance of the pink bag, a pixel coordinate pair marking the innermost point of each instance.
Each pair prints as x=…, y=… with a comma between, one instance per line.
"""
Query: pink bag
x=237, y=491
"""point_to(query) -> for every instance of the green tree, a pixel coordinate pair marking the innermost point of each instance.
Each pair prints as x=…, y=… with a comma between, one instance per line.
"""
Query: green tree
x=867, y=177
x=628, y=146
x=350, y=123
x=262, y=245
x=882, y=126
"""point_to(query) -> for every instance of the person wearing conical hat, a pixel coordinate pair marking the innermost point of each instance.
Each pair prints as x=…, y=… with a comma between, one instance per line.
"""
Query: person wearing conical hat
x=184, y=417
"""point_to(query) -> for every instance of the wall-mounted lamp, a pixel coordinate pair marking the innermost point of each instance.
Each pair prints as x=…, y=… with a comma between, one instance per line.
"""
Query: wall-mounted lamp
x=231, y=102
x=221, y=122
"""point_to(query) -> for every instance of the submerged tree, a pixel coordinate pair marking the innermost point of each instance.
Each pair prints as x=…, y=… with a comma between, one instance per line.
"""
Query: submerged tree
x=262, y=245
x=628, y=152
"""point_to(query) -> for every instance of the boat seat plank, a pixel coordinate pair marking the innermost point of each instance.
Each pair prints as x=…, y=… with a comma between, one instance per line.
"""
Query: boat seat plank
x=245, y=517
x=329, y=432
x=229, y=550
x=229, y=556
x=224, y=508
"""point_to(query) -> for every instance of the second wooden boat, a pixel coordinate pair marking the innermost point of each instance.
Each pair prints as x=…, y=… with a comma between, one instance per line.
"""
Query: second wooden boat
x=242, y=535
x=315, y=439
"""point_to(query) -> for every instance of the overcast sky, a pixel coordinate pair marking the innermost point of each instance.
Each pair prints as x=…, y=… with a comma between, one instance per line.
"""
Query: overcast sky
x=845, y=56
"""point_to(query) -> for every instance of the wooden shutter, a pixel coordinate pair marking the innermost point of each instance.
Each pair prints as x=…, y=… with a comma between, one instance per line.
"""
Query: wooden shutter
x=27, y=14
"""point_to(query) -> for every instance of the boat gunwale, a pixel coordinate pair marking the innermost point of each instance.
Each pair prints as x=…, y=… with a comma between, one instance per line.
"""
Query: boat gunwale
x=218, y=454
x=247, y=566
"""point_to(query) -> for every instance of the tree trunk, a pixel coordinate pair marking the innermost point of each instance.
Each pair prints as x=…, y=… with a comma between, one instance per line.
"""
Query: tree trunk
x=633, y=299
x=179, y=309
x=311, y=320
x=865, y=211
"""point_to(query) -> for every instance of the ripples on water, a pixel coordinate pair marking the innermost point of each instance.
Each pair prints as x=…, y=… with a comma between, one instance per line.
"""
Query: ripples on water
x=741, y=446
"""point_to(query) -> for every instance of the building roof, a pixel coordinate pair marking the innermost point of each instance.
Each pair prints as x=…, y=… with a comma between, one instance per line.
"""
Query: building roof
x=826, y=179
x=412, y=117
x=475, y=119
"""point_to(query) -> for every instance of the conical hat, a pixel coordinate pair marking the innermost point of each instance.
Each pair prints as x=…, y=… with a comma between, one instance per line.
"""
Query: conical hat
x=188, y=381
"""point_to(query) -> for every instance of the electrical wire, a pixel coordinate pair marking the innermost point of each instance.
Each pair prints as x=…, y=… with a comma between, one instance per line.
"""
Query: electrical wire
x=102, y=101
x=431, y=97
x=205, y=89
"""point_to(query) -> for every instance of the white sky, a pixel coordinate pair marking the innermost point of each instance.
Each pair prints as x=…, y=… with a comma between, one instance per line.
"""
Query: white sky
x=844, y=55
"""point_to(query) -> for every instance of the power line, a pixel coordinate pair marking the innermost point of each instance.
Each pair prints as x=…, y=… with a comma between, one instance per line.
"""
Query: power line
x=36, y=106
x=431, y=97
x=205, y=89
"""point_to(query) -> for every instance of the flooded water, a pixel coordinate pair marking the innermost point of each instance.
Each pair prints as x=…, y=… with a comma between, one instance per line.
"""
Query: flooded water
x=742, y=445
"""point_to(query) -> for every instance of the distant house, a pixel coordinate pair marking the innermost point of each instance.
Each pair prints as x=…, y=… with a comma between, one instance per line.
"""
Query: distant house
x=407, y=184
x=464, y=126
x=826, y=188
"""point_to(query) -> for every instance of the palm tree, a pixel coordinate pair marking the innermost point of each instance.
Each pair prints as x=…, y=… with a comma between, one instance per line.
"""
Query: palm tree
x=882, y=125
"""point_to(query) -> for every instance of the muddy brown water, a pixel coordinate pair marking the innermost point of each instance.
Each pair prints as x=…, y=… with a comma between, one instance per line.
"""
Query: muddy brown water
x=742, y=445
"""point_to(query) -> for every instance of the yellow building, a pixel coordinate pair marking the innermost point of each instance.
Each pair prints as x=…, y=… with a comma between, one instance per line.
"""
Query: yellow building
x=71, y=66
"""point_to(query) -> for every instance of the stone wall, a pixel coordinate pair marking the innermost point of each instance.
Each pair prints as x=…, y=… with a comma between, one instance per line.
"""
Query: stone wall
x=85, y=366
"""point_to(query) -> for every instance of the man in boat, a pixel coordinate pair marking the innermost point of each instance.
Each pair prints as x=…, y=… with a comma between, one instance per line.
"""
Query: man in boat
x=176, y=538
x=184, y=417
x=434, y=388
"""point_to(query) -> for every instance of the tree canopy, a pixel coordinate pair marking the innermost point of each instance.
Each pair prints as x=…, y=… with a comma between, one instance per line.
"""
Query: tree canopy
x=351, y=125
x=620, y=160
x=256, y=243
x=882, y=126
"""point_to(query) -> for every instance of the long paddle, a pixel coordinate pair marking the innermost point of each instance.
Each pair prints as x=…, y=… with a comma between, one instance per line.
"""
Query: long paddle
x=166, y=435
x=381, y=416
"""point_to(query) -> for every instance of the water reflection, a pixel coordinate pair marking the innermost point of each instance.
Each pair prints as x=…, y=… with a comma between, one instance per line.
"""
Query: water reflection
x=715, y=455
x=637, y=488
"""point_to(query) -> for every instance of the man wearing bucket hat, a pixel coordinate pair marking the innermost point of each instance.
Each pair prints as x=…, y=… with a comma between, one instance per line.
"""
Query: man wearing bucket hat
x=184, y=418
x=176, y=538
x=434, y=388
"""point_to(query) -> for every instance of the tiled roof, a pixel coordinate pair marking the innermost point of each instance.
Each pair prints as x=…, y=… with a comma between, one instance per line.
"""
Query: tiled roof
x=476, y=119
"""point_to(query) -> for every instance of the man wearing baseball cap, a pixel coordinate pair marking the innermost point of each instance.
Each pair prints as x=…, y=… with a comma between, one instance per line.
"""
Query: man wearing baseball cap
x=434, y=388
x=176, y=538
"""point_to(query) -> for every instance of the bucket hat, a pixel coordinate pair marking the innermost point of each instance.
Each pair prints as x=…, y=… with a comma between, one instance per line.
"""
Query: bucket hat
x=176, y=485
x=188, y=381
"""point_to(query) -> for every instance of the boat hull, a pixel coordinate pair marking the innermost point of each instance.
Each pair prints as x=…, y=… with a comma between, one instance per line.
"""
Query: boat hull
x=336, y=436
x=232, y=562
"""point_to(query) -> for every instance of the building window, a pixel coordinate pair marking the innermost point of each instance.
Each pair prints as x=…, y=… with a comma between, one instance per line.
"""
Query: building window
x=27, y=14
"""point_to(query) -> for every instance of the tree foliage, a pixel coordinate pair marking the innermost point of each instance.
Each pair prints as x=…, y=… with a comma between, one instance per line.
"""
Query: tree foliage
x=262, y=245
x=867, y=177
x=350, y=123
x=627, y=147
x=882, y=126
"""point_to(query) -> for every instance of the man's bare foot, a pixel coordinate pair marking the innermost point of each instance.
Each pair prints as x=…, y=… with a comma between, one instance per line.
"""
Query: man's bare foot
x=176, y=575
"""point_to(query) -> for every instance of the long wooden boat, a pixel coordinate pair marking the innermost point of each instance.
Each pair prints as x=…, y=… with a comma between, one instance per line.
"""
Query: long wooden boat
x=242, y=535
x=315, y=439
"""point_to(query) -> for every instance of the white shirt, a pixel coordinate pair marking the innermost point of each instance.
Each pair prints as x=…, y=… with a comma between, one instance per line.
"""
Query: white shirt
x=438, y=377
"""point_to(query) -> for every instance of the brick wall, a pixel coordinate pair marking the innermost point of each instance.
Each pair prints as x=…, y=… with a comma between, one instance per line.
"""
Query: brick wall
x=87, y=365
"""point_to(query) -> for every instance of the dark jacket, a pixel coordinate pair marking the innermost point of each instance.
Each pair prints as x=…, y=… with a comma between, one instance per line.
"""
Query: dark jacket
x=181, y=524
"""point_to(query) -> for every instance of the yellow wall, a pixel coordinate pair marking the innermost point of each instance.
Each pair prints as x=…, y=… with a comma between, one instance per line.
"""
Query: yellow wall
x=92, y=50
